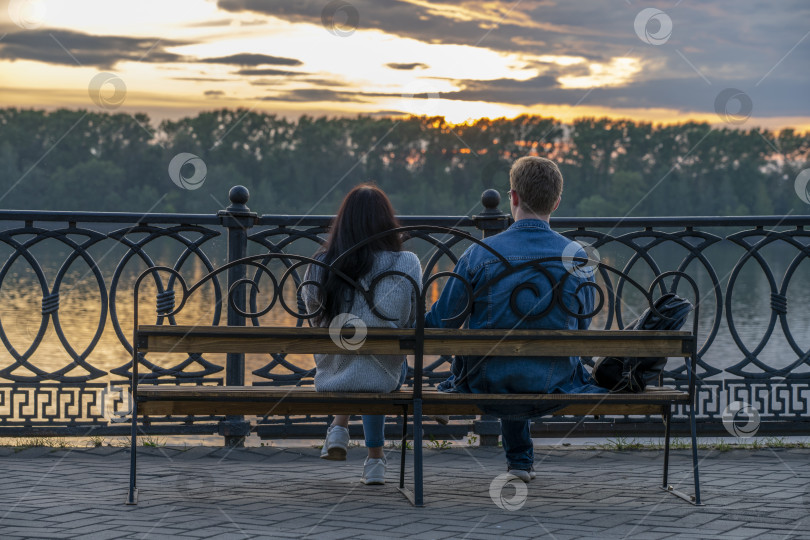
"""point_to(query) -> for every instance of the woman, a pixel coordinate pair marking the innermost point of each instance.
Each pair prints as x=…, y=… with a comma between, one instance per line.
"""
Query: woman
x=365, y=212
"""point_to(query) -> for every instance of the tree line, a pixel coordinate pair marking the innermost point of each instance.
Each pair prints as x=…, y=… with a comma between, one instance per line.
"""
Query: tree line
x=80, y=160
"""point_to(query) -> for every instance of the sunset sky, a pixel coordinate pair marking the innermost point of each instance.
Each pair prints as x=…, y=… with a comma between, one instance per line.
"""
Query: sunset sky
x=744, y=63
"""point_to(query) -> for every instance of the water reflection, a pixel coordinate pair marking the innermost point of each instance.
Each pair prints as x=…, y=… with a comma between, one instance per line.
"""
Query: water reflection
x=80, y=311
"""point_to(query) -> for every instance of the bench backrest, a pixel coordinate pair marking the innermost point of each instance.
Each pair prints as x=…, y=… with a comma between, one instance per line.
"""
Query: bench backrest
x=225, y=339
x=418, y=341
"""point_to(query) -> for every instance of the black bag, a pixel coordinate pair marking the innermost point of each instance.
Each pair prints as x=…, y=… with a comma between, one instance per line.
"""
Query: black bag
x=634, y=374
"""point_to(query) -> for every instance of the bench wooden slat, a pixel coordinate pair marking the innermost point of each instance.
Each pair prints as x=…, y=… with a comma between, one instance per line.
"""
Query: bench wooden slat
x=221, y=408
x=252, y=400
x=217, y=339
x=267, y=393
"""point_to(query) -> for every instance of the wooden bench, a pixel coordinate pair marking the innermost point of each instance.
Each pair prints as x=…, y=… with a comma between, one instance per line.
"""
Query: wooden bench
x=236, y=339
x=152, y=400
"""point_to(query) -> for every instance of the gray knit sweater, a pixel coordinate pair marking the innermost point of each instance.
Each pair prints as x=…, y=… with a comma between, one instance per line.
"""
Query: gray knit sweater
x=394, y=297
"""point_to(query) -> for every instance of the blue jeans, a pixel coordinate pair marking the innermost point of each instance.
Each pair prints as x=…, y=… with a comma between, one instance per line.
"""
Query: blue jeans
x=517, y=443
x=374, y=424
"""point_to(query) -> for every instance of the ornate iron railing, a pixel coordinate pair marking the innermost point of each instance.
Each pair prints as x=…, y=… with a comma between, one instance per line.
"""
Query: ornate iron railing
x=49, y=385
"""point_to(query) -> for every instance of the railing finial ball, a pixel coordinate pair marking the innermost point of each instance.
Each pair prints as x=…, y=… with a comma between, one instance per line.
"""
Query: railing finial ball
x=491, y=199
x=239, y=195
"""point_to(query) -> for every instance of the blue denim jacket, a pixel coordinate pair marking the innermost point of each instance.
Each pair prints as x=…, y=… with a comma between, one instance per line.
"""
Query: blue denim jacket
x=525, y=240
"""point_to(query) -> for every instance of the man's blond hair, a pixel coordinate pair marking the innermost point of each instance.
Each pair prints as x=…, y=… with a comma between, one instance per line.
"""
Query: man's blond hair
x=538, y=182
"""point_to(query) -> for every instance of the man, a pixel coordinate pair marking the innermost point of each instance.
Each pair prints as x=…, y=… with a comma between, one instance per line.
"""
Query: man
x=536, y=188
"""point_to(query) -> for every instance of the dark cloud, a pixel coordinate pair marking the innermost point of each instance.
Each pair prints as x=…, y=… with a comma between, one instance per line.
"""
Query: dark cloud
x=504, y=90
x=725, y=42
x=386, y=113
x=213, y=93
x=225, y=22
x=777, y=98
x=492, y=29
x=316, y=94
x=325, y=82
x=268, y=72
x=65, y=47
x=198, y=79
x=407, y=67
x=210, y=24
x=313, y=81
x=684, y=93
x=252, y=59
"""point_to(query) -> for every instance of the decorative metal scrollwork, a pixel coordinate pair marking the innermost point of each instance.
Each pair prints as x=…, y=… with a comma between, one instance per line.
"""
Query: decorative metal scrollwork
x=34, y=392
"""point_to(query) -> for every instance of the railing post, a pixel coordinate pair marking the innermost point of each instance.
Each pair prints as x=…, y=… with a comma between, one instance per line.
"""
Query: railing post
x=237, y=218
x=490, y=222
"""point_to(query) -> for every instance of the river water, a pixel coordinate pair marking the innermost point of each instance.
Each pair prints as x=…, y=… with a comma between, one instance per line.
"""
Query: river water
x=80, y=313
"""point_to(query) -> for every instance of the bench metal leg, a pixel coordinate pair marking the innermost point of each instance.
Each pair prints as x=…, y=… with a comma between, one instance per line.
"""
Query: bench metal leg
x=132, y=496
x=667, y=430
x=417, y=453
x=694, y=453
x=404, y=452
x=404, y=442
x=694, y=499
x=415, y=496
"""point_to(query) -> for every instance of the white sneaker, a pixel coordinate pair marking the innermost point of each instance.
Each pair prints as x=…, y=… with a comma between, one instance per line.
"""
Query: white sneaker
x=374, y=471
x=521, y=474
x=336, y=444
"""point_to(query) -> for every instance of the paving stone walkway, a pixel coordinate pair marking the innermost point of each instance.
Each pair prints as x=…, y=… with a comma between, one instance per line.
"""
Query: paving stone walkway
x=208, y=492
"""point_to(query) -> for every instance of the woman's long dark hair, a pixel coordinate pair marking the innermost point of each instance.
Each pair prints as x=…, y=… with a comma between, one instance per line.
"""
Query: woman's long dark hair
x=364, y=212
